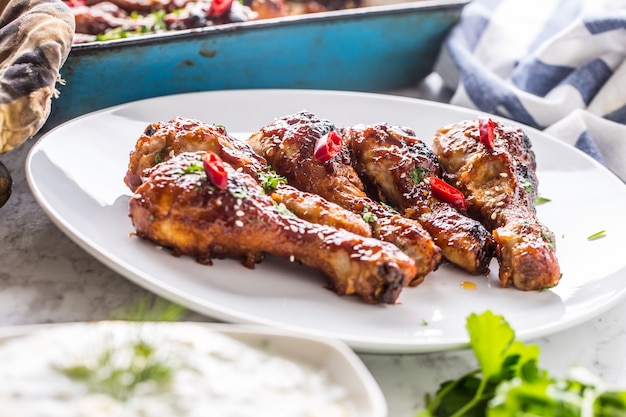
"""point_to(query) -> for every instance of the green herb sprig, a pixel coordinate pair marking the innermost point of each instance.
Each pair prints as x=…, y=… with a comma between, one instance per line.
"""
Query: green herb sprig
x=509, y=382
x=270, y=180
x=368, y=216
x=418, y=173
x=146, y=309
x=119, y=371
x=597, y=235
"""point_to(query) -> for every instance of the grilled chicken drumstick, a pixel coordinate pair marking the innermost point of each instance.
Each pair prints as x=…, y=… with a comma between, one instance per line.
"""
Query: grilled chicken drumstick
x=395, y=164
x=289, y=145
x=494, y=166
x=163, y=140
x=180, y=207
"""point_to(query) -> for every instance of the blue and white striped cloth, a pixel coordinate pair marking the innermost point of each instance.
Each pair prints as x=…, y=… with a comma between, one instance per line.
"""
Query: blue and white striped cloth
x=558, y=65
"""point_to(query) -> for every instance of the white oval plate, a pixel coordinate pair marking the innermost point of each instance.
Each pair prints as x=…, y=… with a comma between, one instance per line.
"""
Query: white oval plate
x=76, y=174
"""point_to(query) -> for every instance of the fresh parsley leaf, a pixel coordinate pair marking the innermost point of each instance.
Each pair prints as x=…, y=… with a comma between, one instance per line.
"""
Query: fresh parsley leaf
x=597, y=235
x=548, y=238
x=490, y=337
x=270, y=180
x=541, y=200
x=368, y=216
x=282, y=209
x=119, y=371
x=526, y=184
x=417, y=174
x=193, y=168
x=239, y=192
x=509, y=383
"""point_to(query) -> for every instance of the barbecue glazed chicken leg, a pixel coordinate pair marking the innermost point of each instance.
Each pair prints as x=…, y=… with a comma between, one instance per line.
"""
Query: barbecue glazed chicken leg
x=178, y=205
x=161, y=141
x=396, y=165
x=496, y=172
x=289, y=145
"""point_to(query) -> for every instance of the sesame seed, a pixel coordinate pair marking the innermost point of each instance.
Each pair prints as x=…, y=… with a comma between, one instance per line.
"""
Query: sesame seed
x=239, y=223
x=320, y=235
x=493, y=215
x=504, y=174
x=292, y=258
x=240, y=213
x=294, y=228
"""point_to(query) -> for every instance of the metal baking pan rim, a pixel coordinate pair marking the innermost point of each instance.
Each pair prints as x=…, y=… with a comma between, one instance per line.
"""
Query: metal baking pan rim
x=354, y=13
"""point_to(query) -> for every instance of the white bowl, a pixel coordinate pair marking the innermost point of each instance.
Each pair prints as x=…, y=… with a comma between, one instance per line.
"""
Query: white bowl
x=31, y=355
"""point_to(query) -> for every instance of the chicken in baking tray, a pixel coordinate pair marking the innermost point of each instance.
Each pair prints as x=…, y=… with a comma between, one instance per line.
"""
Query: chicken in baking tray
x=493, y=164
x=309, y=152
x=161, y=141
x=198, y=205
x=396, y=166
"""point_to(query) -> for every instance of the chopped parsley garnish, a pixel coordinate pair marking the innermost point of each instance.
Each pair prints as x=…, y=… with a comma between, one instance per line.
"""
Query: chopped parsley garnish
x=239, y=192
x=417, y=174
x=158, y=158
x=368, y=216
x=547, y=237
x=388, y=207
x=526, y=184
x=282, y=209
x=270, y=180
x=541, y=200
x=597, y=235
x=193, y=168
x=119, y=371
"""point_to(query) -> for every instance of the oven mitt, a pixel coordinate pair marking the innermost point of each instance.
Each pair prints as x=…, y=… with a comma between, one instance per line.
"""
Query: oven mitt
x=35, y=39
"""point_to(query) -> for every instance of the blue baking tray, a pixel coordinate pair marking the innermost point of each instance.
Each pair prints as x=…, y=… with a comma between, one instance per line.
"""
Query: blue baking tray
x=366, y=49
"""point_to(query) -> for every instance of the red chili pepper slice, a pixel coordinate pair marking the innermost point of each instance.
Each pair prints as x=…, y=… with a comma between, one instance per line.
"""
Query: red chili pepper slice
x=327, y=146
x=219, y=8
x=446, y=193
x=215, y=171
x=486, y=128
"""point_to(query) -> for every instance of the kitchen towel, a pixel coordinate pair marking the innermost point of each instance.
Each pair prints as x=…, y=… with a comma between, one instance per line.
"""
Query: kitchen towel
x=557, y=65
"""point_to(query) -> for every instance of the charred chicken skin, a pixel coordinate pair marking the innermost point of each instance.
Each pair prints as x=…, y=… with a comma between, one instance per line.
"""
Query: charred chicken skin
x=499, y=181
x=161, y=141
x=395, y=165
x=289, y=145
x=179, y=207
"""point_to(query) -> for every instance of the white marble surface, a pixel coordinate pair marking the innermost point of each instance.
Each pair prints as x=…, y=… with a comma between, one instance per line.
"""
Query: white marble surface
x=46, y=278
